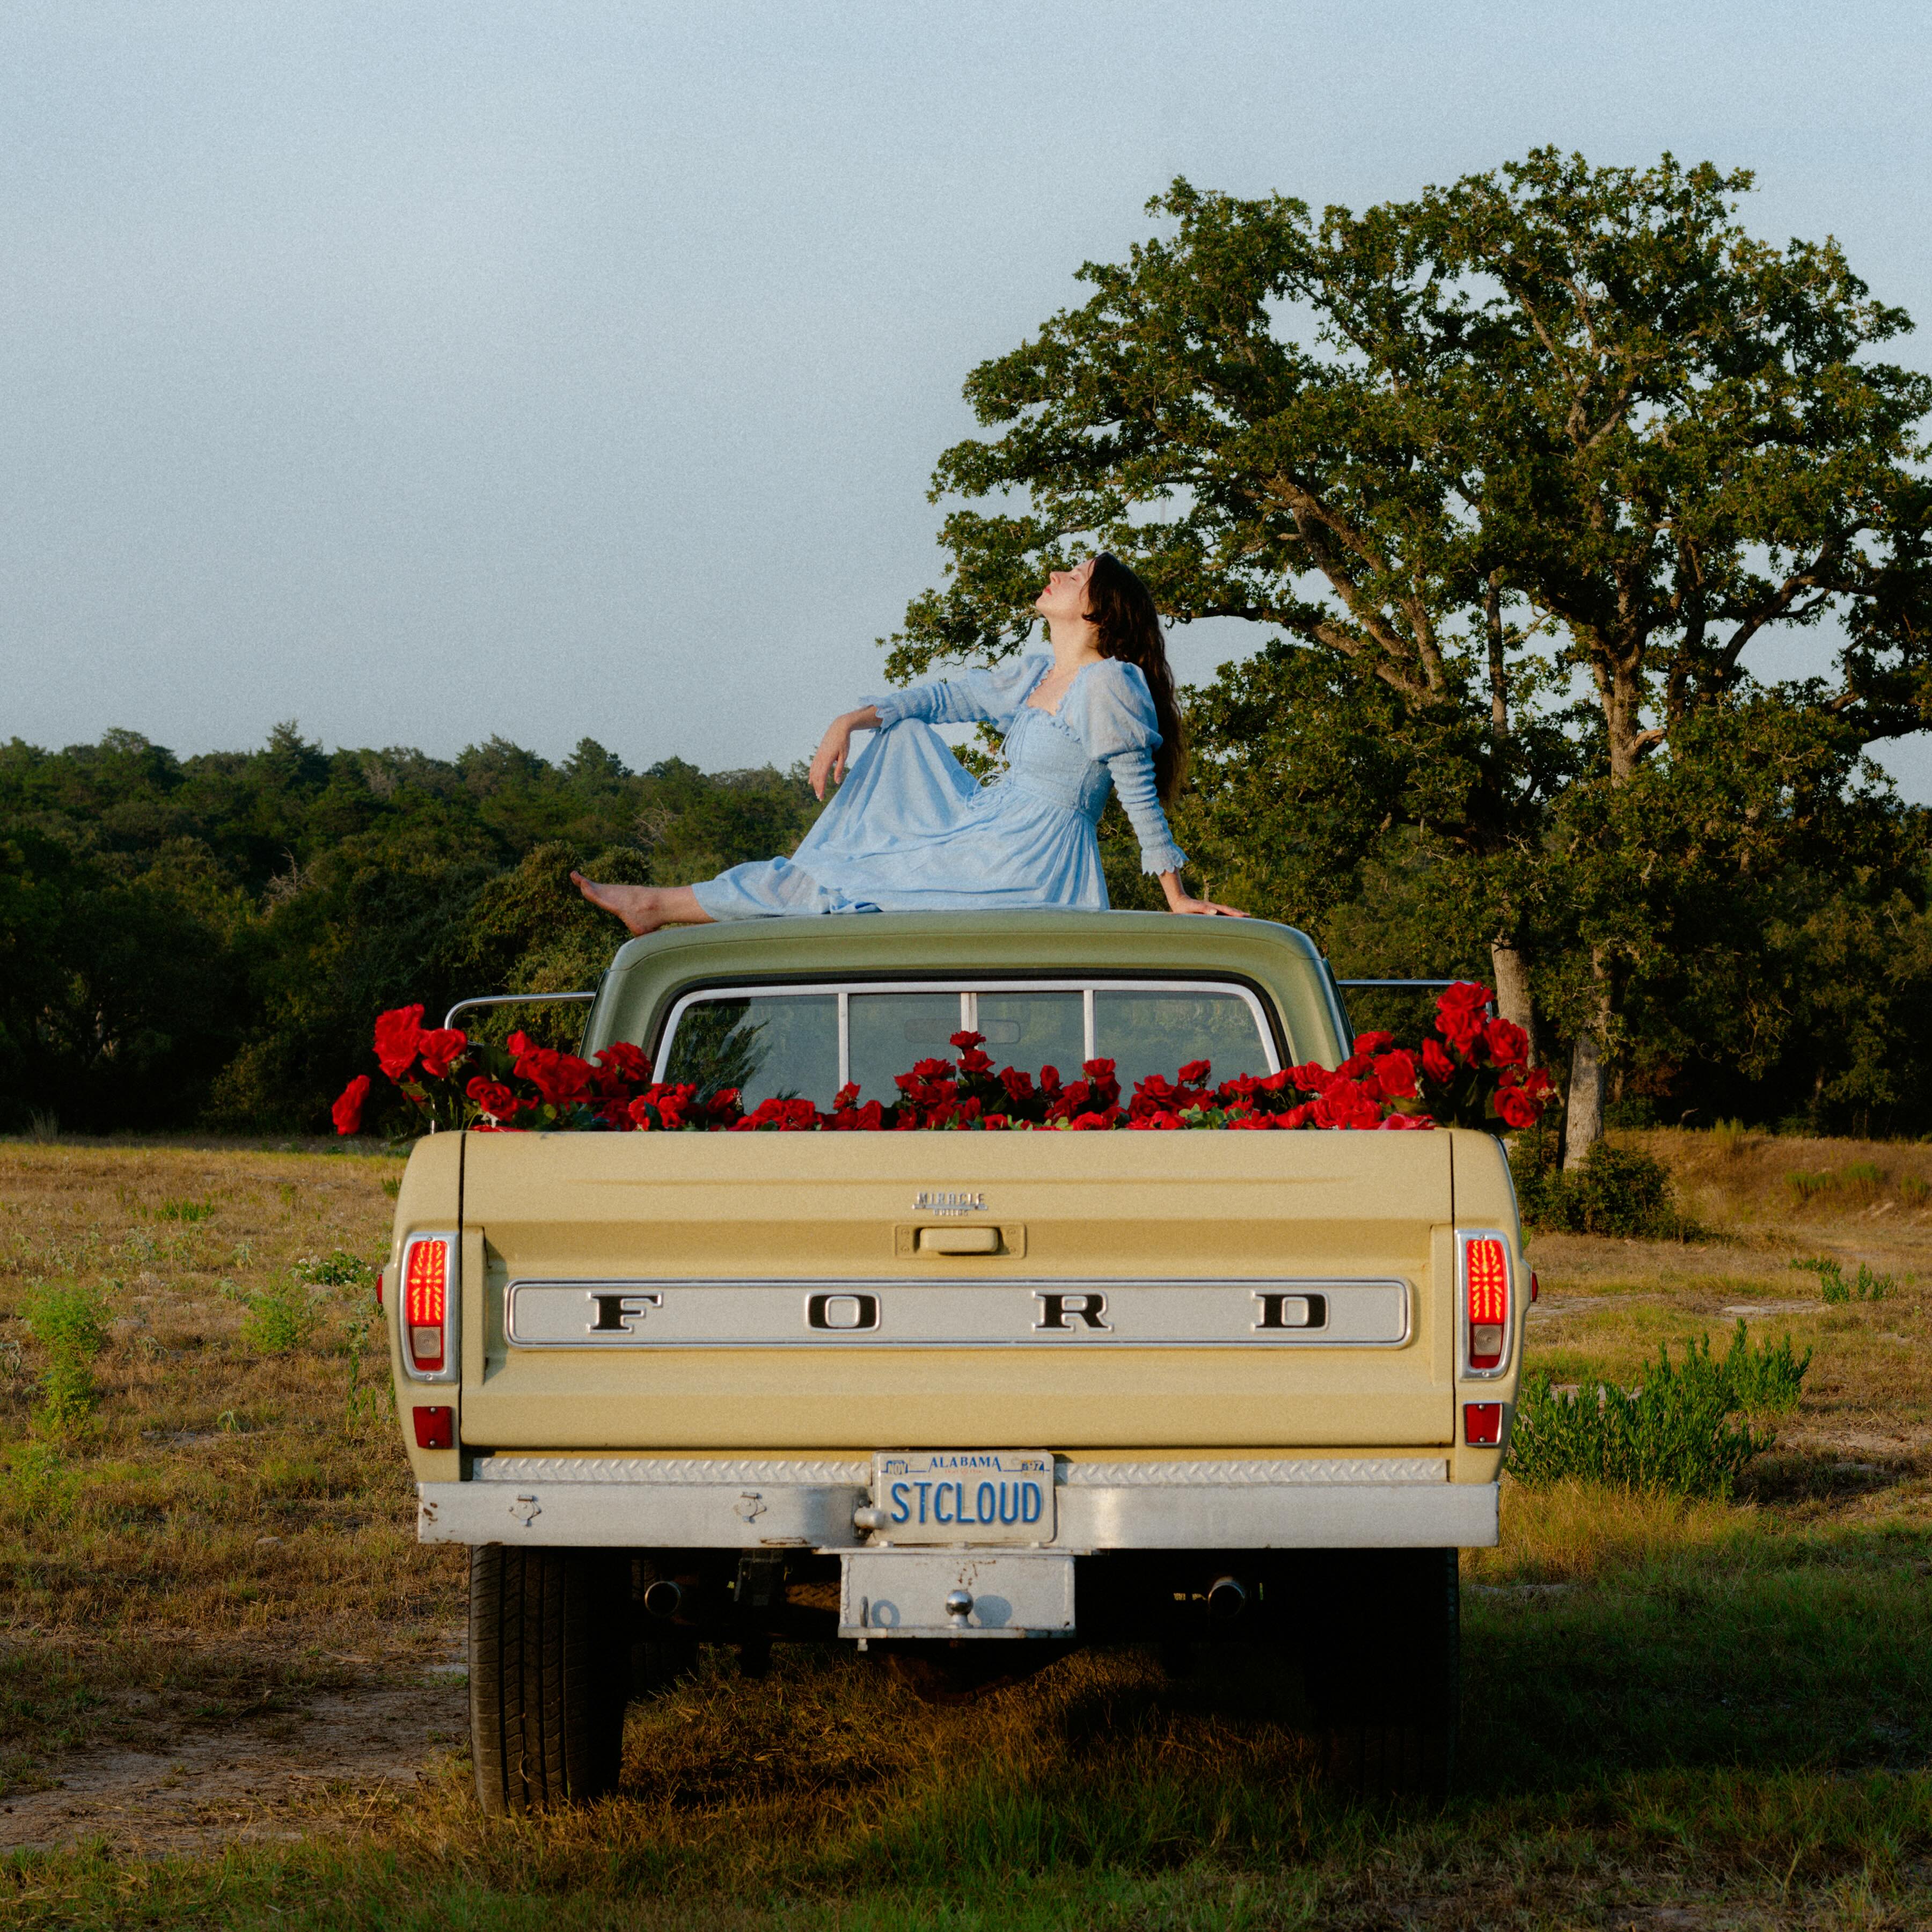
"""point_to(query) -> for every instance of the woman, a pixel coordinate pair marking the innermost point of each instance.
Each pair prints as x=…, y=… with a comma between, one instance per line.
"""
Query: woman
x=910, y=830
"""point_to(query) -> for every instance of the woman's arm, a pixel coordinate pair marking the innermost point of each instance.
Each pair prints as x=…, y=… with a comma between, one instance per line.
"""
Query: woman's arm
x=1132, y=774
x=834, y=748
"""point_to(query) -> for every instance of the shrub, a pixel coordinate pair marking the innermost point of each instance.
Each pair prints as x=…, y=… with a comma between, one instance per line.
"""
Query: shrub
x=1675, y=1432
x=1618, y=1191
x=70, y=1322
x=1766, y=1380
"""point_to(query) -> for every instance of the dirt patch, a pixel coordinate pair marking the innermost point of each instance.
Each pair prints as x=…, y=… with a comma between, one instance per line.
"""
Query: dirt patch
x=262, y=1777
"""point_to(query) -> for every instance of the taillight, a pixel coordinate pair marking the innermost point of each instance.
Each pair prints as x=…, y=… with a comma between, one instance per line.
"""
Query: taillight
x=1482, y=1423
x=428, y=1311
x=1486, y=1305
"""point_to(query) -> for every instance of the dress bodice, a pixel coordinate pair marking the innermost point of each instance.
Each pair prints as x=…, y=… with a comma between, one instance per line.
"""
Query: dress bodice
x=1104, y=732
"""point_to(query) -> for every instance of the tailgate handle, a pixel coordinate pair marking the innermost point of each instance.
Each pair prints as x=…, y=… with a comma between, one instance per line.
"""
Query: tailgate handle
x=959, y=1241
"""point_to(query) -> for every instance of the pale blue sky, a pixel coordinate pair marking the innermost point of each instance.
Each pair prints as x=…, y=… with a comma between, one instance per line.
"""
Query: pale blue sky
x=423, y=372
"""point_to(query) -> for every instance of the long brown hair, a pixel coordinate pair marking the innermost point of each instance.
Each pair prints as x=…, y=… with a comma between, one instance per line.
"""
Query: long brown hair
x=1121, y=608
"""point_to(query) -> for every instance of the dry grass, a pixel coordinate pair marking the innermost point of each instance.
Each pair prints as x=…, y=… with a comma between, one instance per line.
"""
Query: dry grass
x=1677, y=1713
x=229, y=1527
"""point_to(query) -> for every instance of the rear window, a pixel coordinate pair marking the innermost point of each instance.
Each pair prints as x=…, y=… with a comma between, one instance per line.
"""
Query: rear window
x=784, y=1042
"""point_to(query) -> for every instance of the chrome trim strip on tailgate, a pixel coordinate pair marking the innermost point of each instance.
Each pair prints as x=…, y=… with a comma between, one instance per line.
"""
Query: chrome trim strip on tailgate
x=982, y=1311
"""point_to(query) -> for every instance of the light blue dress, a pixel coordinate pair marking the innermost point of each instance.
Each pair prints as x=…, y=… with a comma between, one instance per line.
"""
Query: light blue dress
x=911, y=830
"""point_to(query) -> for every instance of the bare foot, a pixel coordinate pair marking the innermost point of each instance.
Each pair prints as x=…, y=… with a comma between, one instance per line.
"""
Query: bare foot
x=637, y=906
x=644, y=908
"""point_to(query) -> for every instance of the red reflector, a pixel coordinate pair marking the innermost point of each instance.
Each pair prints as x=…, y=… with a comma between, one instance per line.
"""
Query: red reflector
x=1482, y=1423
x=436, y=1428
x=379, y=1289
x=1535, y=1290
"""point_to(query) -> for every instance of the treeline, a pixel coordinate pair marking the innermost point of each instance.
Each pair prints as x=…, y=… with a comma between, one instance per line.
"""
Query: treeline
x=205, y=941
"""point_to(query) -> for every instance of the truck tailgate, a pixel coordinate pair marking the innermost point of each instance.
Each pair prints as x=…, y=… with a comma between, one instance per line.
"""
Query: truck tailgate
x=709, y=1249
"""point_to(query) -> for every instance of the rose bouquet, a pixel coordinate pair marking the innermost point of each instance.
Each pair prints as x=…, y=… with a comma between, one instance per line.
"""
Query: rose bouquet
x=1470, y=1071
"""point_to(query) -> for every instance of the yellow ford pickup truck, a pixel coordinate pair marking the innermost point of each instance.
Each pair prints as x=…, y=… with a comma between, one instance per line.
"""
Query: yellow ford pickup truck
x=960, y=1400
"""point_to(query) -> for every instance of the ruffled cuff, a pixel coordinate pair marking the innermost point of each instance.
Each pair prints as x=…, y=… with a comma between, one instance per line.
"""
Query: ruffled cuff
x=894, y=707
x=1156, y=859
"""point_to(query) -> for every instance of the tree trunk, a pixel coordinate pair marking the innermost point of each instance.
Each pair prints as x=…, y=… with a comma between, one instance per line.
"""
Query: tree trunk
x=1583, y=1127
x=1509, y=965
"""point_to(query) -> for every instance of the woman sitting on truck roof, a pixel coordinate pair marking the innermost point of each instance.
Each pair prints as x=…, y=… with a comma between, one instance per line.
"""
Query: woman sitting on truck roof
x=911, y=830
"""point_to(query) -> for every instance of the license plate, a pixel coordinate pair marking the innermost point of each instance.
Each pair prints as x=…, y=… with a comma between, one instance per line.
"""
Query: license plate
x=965, y=1496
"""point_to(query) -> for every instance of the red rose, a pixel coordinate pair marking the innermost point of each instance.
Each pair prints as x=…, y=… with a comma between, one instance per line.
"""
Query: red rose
x=1019, y=1085
x=398, y=1033
x=440, y=1049
x=1345, y=1105
x=1395, y=1074
x=1509, y=1045
x=1411, y=1122
x=972, y=1061
x=965, y=1040
x=1373, y=1043
x=561, y=1078
x=622, y=1061
x=1195, y=1072
x=1437, y=1064
x=1517, y=1108
x=347, y=1111
x=492, y=1097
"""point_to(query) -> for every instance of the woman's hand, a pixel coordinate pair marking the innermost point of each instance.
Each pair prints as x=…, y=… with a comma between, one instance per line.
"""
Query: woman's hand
x=834, y=748
x=1178, y=901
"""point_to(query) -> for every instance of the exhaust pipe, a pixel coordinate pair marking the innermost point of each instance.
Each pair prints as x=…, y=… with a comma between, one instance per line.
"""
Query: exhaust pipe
x=664, y=1598
x=1226, y=1599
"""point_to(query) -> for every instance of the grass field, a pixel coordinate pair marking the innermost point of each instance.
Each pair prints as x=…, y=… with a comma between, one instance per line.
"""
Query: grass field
x=230, y=1690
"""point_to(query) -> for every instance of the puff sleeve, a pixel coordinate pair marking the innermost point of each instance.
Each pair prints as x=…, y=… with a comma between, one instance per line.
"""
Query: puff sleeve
x=1110, y=710
x=964, y=697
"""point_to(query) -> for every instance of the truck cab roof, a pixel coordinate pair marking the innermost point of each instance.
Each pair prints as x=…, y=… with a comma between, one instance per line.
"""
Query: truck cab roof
x=1278, y=963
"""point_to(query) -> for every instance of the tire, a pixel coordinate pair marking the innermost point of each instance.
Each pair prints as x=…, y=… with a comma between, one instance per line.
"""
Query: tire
x=1382, y=1664
x=548, y=1675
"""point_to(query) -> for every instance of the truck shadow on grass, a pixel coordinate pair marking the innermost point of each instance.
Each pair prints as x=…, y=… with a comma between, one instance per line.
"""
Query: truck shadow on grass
x=1765, y=1700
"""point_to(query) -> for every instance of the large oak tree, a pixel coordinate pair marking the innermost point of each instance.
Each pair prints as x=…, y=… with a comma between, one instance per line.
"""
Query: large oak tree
x=1516, y=474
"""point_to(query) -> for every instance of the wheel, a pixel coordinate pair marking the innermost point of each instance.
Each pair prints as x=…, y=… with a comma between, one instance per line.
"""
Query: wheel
x=548, y=1675
x=1382, y=1659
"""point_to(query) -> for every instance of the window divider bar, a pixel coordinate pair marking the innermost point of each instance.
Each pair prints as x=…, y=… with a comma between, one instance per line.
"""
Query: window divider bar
x=1087, y=1021
x=845, y=1040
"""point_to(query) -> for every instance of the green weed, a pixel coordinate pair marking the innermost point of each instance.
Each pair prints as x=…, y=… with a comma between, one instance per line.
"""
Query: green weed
x=69, y=1321
x=280, y=1319
x=1864, y=1286
x=37, y=1485
x=338, y=1269
x=185, y=1210
x=1676, y=1431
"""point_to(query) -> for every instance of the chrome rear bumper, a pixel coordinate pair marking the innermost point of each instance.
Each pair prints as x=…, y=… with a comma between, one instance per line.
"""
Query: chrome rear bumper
x=654, y=1502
